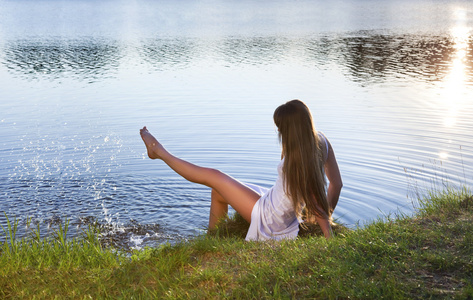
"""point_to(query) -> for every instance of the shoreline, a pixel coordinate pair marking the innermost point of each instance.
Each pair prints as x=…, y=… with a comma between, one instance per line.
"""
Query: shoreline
x=428, y=254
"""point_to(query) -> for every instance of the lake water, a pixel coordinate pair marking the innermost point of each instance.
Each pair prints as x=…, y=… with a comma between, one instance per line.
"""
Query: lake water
x=389, y=82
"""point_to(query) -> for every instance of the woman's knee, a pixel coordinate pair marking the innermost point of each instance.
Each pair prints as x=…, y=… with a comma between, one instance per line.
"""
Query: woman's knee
x=212, y=177
x=215, y=196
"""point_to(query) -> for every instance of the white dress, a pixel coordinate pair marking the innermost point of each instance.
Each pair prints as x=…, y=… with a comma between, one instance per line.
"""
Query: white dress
x=273, y=216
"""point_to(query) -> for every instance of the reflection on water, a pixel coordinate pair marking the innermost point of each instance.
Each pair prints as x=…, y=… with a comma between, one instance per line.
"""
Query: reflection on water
x=168, y=54
x=55, y=59
x=394, y=99
x=366, y=56
x=374, y=58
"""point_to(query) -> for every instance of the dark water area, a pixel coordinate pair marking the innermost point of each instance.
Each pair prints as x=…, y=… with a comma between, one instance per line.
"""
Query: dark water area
x=368, y=57
x=389, y=82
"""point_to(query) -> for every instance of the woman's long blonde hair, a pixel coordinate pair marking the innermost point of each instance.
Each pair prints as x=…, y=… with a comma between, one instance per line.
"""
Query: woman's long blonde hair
x=303, y=159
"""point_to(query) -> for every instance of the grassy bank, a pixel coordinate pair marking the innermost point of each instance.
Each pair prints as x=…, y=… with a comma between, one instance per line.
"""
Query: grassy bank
x=429, y=255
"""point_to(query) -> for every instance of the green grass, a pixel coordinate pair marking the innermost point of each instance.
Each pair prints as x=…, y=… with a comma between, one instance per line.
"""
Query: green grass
x=429, y=255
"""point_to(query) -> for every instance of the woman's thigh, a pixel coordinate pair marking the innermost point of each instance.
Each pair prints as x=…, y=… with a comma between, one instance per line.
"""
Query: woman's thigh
x=236, y=194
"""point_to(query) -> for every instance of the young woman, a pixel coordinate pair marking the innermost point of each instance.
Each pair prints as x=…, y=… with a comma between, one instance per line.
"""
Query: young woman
x=307, y=157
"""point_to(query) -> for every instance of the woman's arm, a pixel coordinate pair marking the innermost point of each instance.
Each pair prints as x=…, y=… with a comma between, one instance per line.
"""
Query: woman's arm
x=333, y=175
x=324, y=224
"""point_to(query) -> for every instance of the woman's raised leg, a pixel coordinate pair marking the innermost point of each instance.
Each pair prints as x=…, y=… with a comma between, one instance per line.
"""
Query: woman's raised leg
x=229, y=190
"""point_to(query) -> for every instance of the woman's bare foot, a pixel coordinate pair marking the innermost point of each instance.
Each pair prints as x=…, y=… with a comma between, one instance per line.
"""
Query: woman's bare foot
x=152, y=144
